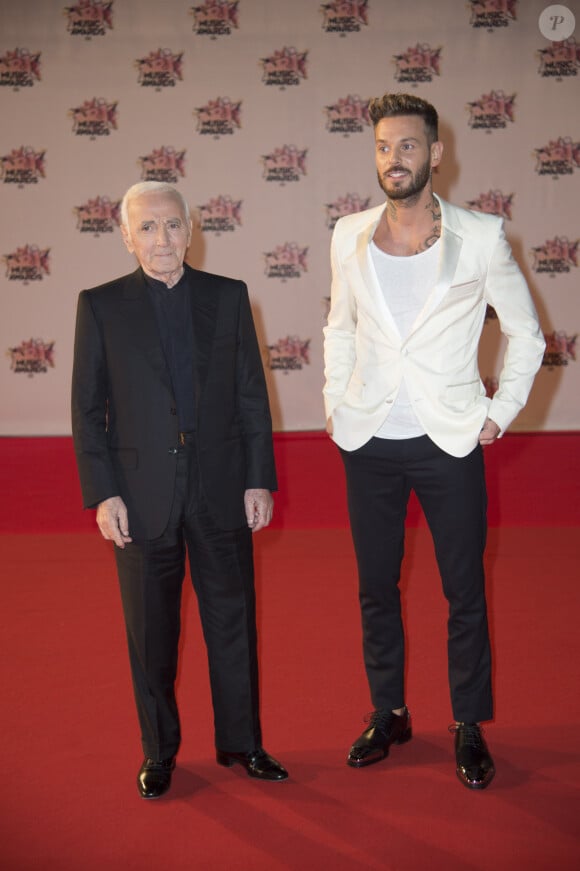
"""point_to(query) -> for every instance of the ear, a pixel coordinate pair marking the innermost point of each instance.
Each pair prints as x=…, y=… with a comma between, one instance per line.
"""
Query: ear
x=127, y=239
x=436, y=153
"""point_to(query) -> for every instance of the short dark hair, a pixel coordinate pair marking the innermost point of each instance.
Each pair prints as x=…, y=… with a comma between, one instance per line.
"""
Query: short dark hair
x=391, y=105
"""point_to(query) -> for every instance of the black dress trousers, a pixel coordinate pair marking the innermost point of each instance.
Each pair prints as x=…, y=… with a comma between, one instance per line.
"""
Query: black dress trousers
x=151, y=574
x=380, y=476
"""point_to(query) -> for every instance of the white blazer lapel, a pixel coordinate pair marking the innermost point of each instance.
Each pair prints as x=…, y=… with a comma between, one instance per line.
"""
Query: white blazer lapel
x=451, y=243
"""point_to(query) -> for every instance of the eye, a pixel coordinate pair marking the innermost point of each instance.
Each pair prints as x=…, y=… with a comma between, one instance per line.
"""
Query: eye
x=174, y=225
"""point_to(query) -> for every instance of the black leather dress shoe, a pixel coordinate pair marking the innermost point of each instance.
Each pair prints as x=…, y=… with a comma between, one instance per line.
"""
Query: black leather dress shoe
x=154, y=778
x=257, y=764
x=385, y=728
x=475, y=767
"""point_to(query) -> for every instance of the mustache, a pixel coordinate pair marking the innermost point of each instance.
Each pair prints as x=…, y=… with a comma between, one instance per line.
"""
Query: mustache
x=396, y=168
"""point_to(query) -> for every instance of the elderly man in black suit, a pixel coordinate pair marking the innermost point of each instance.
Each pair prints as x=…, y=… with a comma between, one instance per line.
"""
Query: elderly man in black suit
x=173, y=437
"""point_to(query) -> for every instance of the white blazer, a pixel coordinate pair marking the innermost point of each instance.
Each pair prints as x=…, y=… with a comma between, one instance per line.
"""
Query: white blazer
x=366, y=358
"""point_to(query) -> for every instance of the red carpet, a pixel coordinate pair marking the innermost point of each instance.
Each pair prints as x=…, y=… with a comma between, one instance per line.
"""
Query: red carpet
x=69, y=802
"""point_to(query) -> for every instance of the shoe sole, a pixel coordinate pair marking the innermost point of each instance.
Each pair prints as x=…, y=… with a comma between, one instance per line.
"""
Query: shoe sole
x=229, y=763
x=363, y=763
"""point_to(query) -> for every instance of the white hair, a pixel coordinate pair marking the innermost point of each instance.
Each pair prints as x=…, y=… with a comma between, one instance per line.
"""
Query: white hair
x=147, y=187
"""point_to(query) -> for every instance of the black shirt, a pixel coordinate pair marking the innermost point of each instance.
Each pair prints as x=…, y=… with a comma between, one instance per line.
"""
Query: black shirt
x=173, y=313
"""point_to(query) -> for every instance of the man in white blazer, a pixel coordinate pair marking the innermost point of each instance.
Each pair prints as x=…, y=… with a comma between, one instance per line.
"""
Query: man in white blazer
x=405, y=403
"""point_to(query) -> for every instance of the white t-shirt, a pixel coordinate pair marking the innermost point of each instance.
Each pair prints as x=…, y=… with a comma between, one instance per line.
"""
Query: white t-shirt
x=406, y=283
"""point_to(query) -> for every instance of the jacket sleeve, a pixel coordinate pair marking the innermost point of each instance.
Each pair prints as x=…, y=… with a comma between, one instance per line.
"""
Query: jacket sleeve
x=339, y=333
x=89, y=407
x=253, y=403
x=507, y=291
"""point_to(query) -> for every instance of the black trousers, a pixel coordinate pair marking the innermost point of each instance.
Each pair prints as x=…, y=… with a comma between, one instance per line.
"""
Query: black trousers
x=151, y=576
x=452, y=493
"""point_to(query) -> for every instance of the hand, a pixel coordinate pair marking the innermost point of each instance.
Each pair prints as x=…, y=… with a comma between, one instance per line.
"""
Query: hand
x=489, y=432
x=113, y=522
x=259, y=506
x=329, y=426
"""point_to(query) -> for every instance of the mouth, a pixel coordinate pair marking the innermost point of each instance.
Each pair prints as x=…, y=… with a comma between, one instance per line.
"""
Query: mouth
x=396, y=174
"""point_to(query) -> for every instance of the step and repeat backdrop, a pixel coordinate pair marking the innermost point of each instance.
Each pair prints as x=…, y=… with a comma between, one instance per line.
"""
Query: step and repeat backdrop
x=257, y=111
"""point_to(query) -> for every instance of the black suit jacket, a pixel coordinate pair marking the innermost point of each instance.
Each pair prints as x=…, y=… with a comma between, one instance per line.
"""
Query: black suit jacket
x=124, y=418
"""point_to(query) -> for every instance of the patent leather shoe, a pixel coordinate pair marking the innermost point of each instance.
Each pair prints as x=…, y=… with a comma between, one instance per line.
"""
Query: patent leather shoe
x=154, y=778
x=475, y=768
x=258, y=764
x=385, y=728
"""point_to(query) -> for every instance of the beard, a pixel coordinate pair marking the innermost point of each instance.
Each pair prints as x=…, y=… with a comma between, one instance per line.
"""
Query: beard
x=410, y=187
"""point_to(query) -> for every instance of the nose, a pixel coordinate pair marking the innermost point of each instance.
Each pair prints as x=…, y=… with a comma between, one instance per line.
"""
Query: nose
x=162, y=234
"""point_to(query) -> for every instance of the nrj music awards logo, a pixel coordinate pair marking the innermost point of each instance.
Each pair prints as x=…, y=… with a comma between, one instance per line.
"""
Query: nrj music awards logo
x=560, y=156
x=29, y=263
x=220, y=215
x=285, y=164
x=493, y=203
x=22, y=166
x=284, y=68
x=160, y=69
x=345, y=16
x=94, y=118
x=286, y=261
x=19, y=68
x=215, y=18
x=560, y=59
x=555, y=256
x=492, y=13
x=418, y=63
x=346, y=205
x=163, y=164
x=89, y=18
x=560, y=349
x=219, y=117
x=32, y=357
x=100, y=215
x=289, y=354
x=348, y=115
x=491, y=111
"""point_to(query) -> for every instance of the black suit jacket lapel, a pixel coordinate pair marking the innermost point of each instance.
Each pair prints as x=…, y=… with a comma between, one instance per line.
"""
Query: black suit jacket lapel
x=204, y=304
